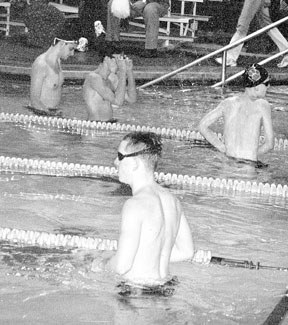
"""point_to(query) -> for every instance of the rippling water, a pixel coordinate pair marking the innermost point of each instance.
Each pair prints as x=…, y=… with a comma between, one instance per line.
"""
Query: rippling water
x=55, y=285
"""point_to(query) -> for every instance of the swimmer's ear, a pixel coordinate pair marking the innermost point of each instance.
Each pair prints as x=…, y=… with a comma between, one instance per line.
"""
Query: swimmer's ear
x=62, y=43
x=135, y=163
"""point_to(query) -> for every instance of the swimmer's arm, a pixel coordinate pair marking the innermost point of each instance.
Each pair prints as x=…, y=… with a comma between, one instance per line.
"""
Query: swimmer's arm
x=183, y=248
x=131, y=93
x=129, y=240
x=121, y=87
x=268, y=131
x=96, y=83
x=38, y=74
x=207, y=133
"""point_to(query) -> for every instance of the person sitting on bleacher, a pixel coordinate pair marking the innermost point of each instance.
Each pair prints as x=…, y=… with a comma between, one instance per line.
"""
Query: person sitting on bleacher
x=151, y=10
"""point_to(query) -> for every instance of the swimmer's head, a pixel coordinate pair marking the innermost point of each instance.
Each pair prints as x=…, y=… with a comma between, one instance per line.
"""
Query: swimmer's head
x=255, y=75
x=111, y=63
x=148, y=143
x=63, y=41
x=67, y=47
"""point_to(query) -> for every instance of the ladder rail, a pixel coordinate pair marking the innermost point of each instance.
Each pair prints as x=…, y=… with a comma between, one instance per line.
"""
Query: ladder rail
x=216, y=52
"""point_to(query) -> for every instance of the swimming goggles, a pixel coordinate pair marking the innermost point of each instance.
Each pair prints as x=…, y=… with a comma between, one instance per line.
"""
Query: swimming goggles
x=57, y=40
x=133, y=154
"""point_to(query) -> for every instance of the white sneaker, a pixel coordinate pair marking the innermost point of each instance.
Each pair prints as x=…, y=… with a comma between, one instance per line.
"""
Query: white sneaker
x=229, y=62
x=283, y=63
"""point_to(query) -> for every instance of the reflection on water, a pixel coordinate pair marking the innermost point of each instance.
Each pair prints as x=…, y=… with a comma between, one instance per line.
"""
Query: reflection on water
x=55, y=285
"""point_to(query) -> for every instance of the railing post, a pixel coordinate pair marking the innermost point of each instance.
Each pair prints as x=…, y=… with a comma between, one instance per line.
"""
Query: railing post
x=223, y=71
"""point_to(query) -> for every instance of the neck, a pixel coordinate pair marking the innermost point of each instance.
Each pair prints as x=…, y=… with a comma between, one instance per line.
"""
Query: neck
x=251, y=95
x=142, y=181
x=53, y=54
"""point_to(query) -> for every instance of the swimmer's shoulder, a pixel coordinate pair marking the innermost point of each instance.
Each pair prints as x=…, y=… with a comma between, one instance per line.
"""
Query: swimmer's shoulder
x=40, y=61
x=263, y=103
x=232, y=103
x=40, y=66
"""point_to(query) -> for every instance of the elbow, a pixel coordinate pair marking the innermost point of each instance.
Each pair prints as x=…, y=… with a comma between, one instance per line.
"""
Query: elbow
x=122, y=268
x=33, y=101
x=189, y=253
x=270, y=144
x=202, y=128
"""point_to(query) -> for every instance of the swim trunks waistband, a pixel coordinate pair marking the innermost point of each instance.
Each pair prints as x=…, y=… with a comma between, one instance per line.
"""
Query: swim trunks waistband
x=157, y=290
x=254, y=163
x=55, y=112
x=112, y=120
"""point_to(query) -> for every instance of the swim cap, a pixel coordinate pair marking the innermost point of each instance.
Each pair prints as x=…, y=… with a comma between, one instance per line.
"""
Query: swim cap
x=254, y=75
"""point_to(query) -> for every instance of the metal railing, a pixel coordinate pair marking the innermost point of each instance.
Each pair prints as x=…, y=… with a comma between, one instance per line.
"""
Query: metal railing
x=224, y=51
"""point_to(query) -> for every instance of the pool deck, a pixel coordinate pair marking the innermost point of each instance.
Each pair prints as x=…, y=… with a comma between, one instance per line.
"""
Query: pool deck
x=16, y=60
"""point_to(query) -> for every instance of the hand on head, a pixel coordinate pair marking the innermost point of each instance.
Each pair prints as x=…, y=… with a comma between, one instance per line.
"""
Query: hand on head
x=129, y=63
x=121, y=63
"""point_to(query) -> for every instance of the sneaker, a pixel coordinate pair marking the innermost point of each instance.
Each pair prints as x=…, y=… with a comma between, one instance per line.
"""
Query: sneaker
x=229, y=62
x=283, y=63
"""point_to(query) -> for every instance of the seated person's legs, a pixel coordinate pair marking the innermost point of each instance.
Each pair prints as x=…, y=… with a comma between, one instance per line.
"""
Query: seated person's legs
x=151, y=14
x=113, y=25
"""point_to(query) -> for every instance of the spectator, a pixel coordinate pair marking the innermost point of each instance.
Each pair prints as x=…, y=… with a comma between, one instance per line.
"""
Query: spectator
x=151, y=11
x=260, y=8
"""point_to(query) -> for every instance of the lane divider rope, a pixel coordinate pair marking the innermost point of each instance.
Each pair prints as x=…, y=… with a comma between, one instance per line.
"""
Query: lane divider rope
x=49, y=240
x=90, y=127
x=42, y=167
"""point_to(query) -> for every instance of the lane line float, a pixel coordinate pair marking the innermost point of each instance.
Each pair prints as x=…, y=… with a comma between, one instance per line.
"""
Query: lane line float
x=49, y=240
x=48, y=168
x=90, y=127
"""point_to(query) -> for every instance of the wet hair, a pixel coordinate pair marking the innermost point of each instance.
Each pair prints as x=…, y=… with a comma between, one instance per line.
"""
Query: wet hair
x=254, y=75
x=109, y=55
x=145, y=140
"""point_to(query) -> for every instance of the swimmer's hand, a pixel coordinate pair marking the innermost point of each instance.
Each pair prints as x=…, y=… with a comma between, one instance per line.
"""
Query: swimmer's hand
x=129, y=64
x=99, y=264
x=120, y=63
x=138, y=6
x=201, y=256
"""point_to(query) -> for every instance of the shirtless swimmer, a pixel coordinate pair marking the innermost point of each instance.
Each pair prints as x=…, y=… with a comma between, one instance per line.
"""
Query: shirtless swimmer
x=244, y=118
x=154, y=230
x=47, y=77
x=105, y=87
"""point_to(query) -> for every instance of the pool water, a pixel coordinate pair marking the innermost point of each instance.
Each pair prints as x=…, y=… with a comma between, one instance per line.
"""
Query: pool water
x=41, y=285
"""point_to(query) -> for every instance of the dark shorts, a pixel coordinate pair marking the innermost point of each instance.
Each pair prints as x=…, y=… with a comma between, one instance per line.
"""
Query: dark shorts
x=164, y=290
x=112, y=120
x=256, y=164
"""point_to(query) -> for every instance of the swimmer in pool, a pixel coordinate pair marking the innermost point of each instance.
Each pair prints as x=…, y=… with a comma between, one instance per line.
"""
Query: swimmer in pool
x=47, y=77
x=244, y=117
x=130, y=94
x=154, y=230
x=106, y=87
